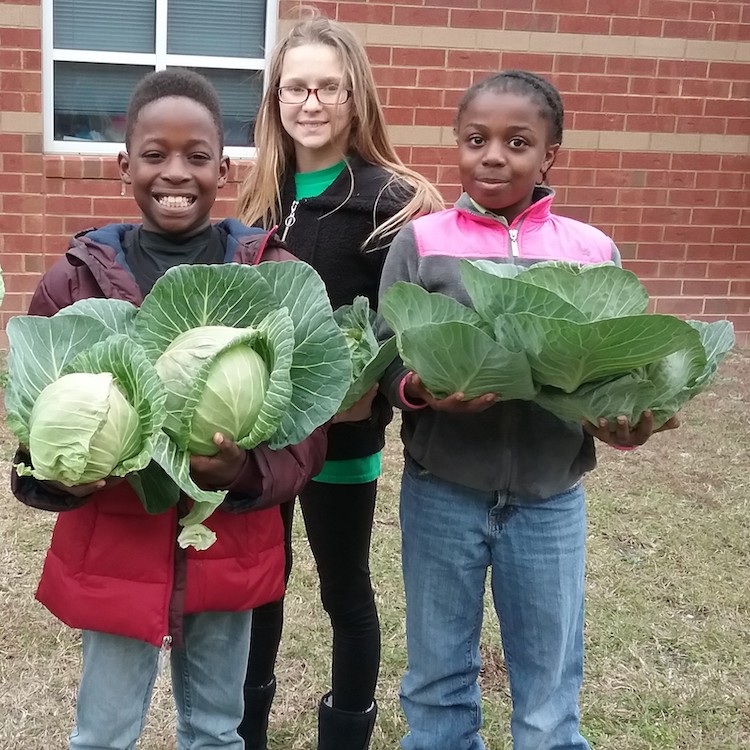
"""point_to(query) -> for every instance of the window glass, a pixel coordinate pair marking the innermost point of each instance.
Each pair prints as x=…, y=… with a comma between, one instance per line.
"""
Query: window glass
x=115, y=25
x=240, y=92
x=91, y=100
x=227, y=28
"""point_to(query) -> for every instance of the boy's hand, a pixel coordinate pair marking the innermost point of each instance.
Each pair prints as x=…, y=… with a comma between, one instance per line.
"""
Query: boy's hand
x=623, y=435
x=455, y=403
x=359, y=411
x=84, y=490
x=218, y=471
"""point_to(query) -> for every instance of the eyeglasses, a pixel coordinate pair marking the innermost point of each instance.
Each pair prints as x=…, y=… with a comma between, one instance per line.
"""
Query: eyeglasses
x=330, y=94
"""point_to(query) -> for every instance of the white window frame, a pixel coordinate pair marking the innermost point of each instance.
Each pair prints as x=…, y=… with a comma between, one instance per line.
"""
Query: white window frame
x=159, y=60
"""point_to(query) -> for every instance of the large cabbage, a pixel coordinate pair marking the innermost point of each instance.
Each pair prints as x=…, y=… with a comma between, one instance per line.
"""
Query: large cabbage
x=575, y=339
x=225, y=380
x=370, y=358
x=81, y=395
x=250, y=351
x=81, y=428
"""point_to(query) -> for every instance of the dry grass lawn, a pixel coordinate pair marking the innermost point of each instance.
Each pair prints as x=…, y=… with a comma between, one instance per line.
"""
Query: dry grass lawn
x=668, y=619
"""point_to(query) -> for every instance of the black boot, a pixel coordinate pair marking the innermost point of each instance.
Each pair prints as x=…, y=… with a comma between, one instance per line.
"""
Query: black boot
x=344, y=730
x=254, y=725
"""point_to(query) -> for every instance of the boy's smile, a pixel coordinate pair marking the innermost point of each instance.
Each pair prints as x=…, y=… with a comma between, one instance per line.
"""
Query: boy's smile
x=174, y=165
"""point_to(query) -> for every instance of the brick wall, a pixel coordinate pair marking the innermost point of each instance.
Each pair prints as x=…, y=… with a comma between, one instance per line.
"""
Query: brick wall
x=656, y=150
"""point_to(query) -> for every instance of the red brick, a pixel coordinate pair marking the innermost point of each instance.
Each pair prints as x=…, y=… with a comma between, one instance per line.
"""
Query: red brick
x=584, y=24
x=682, y=69
x=395, y=76
x=715, y=11
x=540, y=64
x=667, y=179
x=566, y=7
x=737, y=234
x=650, y=124
x=739, y=287
x=726, y=107
x=679, y=233
x=12, y=262
x=687, y=270
x=640, y=233
x=473, y=60
x=678, y=305
x=639, y=27
x=654, y=86
x=365, y=13
x=414, y=16
x=530, y=22
x=476, y=19
x=431, y=116
x=660, y=251
x=697, y=162
x=733, y=270
x=643, y=269
x=20, y=38
x=705, y=287
x=686, y=29
x=720, y=216
x=415, y=97
x=580, y=64
x=737, y=127
x=430, y=78
x=728, y=306
x=422, y=58
x=594, y=121
x=403, y=115
x=663, y=287
x=700, y=125
x=11, y=183
x=67, y=205
x=710, y=251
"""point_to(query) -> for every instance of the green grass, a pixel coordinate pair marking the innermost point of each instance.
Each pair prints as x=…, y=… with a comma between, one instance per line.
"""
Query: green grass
x=668, y=612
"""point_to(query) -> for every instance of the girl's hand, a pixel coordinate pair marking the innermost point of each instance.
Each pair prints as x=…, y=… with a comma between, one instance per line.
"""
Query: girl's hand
x=84, y=490
x=622, y=435
x=455, y=403
x=218, y=471
x=359, y=411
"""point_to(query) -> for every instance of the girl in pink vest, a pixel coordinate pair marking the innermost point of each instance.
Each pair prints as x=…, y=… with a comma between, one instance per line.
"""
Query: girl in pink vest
x=489, y=484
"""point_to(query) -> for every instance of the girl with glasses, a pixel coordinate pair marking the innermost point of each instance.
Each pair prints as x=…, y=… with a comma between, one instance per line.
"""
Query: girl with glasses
x=327, y=173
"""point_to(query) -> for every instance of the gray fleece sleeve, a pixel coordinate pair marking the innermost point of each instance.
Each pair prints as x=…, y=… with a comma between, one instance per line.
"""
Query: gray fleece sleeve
x=401, y=264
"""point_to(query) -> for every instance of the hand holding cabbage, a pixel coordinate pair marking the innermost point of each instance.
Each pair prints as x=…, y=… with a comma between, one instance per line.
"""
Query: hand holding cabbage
x=252, y=353
x=577, y=340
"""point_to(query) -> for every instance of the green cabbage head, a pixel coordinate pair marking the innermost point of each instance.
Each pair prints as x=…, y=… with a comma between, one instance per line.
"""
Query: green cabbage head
x=215, y=383
x=81, y=428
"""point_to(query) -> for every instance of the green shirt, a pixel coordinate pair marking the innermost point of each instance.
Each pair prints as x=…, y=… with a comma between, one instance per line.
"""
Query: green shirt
x=354, y=470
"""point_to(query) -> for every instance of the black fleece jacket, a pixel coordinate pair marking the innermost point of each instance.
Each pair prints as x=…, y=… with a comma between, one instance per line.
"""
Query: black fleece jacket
x=329, y=233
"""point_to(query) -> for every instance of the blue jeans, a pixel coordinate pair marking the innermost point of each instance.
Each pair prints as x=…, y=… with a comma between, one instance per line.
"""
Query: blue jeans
x=451, y=534
x=208, y=672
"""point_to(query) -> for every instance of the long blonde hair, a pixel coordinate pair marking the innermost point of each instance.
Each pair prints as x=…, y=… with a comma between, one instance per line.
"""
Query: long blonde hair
x=259, y=200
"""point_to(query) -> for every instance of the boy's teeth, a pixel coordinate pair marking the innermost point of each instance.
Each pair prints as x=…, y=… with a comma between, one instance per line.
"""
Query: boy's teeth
x=175, y=201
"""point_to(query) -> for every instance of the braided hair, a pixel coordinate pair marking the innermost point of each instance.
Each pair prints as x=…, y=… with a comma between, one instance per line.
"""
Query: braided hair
x=161, y=84
x=528, y=84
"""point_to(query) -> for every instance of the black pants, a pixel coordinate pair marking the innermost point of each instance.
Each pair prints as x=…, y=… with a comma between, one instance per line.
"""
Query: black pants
x=338, y=519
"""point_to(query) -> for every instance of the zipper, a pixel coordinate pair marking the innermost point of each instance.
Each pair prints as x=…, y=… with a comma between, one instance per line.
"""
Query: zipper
x=164, y=651
x=513, y=242
x=289, y=221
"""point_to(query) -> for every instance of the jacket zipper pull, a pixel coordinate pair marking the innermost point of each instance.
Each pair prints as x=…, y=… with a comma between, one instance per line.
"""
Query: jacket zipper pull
x=289, y=221
x=164, y=651
x=513, y=242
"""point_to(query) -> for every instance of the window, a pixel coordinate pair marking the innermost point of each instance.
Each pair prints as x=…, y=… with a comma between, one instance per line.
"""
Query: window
x=95, y=51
